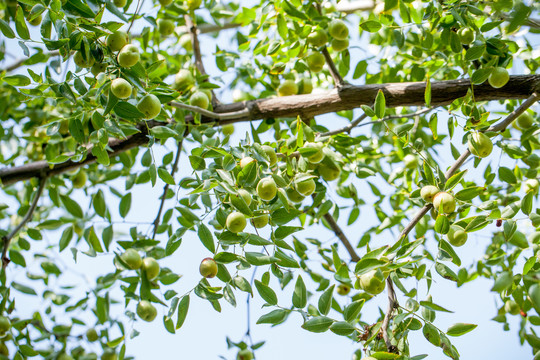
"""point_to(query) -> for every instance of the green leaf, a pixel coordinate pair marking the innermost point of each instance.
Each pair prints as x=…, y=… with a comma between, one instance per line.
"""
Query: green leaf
x=20, y=24
x=371, y=26
x=442, y=224
x=475, y=52
x=460, y=329
x=6, y=30
x=342, y=328
x=454, y=180
x=23, y=288
x=66, y=237
x=71, y=206
x=427, y=93
x=206, y=238
x=503, y=282
x=17, y=80
x=266, y=293
x=98, y=202
x=299, y=298
x=258, y=259
x=125, y=205
x=431, y=334
x=434, y=307
x=166, y=176
x=352, y=310
x=527, y=203
x=318, y=324
x=380, y=104
x=126, y=110
x=293, y=11
x=273, y=317
x=163, y=132
x=325, y=301
x=183, y=307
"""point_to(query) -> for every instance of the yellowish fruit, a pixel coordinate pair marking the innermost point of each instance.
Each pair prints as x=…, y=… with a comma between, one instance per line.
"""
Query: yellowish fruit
x=318, y=38
x=267, y=189
x=117, y=40
x=236, y=222
x=208, y=268
x=260, y=221
x=373, y=282
x=120, y=3
x=480, y=144
x=128, y=56
x=410, y=161
x=132, y=258
x=531, y=185
x=184, y=80
x=305, y=187
x=271, y=153
x=151, y=267
x=227, y=129
x=498, y=77
x=329, y=173
x=294, y=195
x=428, y=192
x=150, y=106
x=444, y=202
x=245, y=195
x=524, y=121
x=511, y=307
x=199, y=99
x=338, y=29
x=146, y=310
x=121, y=88
x=340, y=45
x=79, y=180
x=165, y=27
x=315, y=61
x=287, y=88
x=92, y=335
x=343, y=289
x=98, y=68
x=245, y=161
x=318, y=155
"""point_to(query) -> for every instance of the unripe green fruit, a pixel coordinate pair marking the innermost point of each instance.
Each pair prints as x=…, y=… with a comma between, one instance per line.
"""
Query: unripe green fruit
x=319, y=155
x=236, y=222
x=267, y=189
x=36, y=21
x=5, y=324
x=208, y=268
x=271, y=153
x=428, y=192
x=244, y=354
x=373, y=282
x=186, y=42
x=287, y=88
x=109, y=354
x=227, y=129
x=245, y=195
x=260, y=221
x=340, y=45
x=193, y=4
x=184, y=80
x=329, y=173
x=305, y=86
x=444, y=202
x=117, y=40
x=121, y=88
x=150, y=106
x=498, y=77
x=315, y=61
x=480, y=144
x=146, y=311
x=343, y=289
x=245, y=161
x=165, y=2
x=92, y=335
x=305, y=187
x=410, y=161
x=4, y=350
x=79, y=180
x=64, y=356
x=338, y=30
x=524, y=121
x=120, y=3
x=531, y=185
x=199, y=99
x=294, y=195
x=466, y=35
x=457, y=235
x=511, y=307
x=81, y=62
x=128, y=56
x=98, y=68
x=151, y=267
x=318, y=38
x=132, y=258
x=165, y=27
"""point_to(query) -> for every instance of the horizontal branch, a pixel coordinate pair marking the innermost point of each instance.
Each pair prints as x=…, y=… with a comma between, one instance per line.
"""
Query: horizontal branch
x=347, y=98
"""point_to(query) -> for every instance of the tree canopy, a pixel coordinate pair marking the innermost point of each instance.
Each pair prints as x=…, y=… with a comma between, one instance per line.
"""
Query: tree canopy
x=399, y=111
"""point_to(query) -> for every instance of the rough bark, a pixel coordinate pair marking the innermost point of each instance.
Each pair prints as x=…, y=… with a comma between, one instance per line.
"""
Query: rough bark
x=346, y=98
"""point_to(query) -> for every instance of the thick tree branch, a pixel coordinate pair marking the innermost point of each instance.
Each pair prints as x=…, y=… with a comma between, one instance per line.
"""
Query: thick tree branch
x=500, y=126
x=6, y=240
x=166, y=189
x=21, y=62
x=392, y=304
x=347, y=98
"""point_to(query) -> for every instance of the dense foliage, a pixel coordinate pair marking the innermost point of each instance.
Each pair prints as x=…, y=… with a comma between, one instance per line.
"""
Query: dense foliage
x=104, y=88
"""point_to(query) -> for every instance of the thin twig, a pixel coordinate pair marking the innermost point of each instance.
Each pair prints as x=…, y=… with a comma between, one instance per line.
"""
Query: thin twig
x=20, y=62
x=218, y=116
x=500, y=126
x=392, y=304
x=166, y=189
x=341, y=236
x=192, y=26
x=6, y=240
x=137, y=9
x=338, y=80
